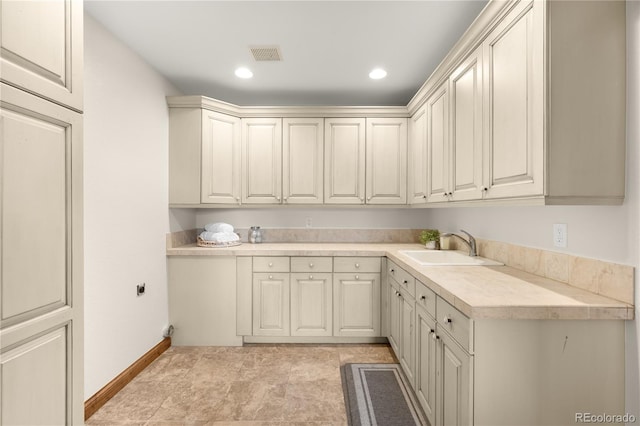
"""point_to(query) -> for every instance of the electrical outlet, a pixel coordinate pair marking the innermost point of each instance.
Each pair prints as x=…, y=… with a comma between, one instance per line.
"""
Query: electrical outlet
x=560, y=235
x=309, y=222
x=140, y=289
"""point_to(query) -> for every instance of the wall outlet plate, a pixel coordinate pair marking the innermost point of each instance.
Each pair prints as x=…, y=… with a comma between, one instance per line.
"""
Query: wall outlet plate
x=560, y=235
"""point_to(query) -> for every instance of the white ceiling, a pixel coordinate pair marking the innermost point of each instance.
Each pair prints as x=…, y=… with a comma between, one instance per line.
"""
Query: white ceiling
x=328, y=47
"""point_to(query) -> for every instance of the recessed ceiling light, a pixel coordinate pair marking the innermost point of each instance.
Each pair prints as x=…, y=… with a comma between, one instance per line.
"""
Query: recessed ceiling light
x=244, y=73
x=377, y=74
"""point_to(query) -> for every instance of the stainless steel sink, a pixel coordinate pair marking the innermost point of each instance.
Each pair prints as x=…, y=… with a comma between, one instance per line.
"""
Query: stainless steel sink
x=447, y=258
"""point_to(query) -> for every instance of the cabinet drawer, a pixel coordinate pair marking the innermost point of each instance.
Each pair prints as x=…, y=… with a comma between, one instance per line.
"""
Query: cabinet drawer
x=426, y=298
x=270, y=264
x=311, y=264
x=457, y=324
x=402, y=277
x=356, y=264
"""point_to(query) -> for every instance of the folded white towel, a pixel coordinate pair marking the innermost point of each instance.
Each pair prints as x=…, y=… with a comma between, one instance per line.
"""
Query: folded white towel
x=220, y=237
x=219, y=227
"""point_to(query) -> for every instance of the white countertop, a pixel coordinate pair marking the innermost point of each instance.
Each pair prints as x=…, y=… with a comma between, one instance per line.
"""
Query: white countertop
x=480, y=292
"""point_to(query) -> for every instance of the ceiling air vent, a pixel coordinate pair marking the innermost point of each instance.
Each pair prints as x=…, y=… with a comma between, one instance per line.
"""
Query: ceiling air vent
x=266, y=53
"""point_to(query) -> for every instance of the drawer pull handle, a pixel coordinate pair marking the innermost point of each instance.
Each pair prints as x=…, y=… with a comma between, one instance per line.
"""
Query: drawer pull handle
x=446, y=320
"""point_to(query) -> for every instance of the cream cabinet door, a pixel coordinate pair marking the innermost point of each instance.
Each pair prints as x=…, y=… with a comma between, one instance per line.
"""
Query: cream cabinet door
x=356, y=304
x=311, y=304
x=407, y=341
x=41, y=308
x=41, y=45
x=221, y=168
x=454, y=390
x=513, y=105
x=426, y=349
x=465, y=141
x=386, y=168
x=271, y=304
x=303, y=161
x=395, y=307
x=344, y=160
x=417, y=159
x=437, y=145
x=262, y=160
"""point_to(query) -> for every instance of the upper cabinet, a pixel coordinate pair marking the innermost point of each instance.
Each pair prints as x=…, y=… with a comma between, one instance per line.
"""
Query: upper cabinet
x=42, y=50
x=386, y=153
x=302, y=161
x=344, y=166
x=529, y=107
x=513, y=104
x=220, y=158
x=262, y=160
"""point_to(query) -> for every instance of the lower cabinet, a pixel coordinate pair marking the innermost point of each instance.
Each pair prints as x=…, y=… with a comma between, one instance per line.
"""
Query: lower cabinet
x=453, y=382
x=426, y=350
x=311, y=304
x=311, y=297
x=356, y=304
x=271, y=304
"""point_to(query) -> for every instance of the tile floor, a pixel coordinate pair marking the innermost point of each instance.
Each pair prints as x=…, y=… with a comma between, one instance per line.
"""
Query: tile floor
x=256, y=385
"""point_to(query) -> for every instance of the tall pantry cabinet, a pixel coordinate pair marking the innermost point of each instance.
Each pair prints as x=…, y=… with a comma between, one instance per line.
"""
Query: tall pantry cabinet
x=41, y=310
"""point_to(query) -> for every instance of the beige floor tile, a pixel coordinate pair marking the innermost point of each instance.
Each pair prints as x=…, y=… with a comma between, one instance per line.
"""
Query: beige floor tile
x=256, y=385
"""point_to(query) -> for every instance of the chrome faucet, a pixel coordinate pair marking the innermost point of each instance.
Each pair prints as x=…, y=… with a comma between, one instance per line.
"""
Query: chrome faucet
x=471, y=243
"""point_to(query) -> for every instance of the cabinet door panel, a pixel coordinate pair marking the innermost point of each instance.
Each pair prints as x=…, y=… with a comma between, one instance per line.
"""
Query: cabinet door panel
x=425, y=384
x=311, y=305
x=36, y=172
x=417, y=162
x=271, y=304
x=262, y=160
x=41, y=48
x=466, y=129
x=394, y=319
x=454, y=386
x=302, y=167
x=407, y=353
x=220, y=158
x=36, y=371
x=356, y=301
x=344, y=174
x=514, y=110
x=437, y=144
x=386, y=161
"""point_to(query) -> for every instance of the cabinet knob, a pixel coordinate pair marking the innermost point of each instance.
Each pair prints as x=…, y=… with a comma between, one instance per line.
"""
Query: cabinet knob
x=424, y=196
x=405, y=282
x=393, y=271
x=423, y=297
x=270, y=264
x=446, y=320
x=485, y=189
x=357, y=265
x=434, y=336
x=368, y=198
x=277, y=198
x=357, y=277
x=310, y=277
x=431, y=330
x=270, y=277
x=285, y=199
x=310, y=265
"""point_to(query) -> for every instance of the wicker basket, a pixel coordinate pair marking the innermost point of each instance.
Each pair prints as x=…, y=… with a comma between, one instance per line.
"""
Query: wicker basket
x=212, y=244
